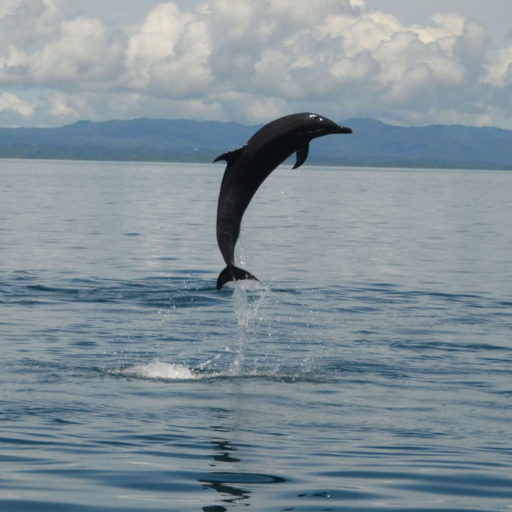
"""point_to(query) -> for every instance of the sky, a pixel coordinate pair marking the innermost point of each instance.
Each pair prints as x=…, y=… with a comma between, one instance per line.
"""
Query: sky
x=406, y=62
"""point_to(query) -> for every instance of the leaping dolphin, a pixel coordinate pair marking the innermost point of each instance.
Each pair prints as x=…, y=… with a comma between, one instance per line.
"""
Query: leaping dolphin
x=248, y=167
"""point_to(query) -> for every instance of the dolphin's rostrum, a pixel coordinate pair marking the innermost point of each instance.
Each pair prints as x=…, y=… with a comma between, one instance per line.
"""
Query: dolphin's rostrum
x=248, y=166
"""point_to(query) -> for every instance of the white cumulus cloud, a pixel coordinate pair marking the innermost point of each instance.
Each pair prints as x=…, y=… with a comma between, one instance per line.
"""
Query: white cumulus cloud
x=249, y=60
x=10, y=102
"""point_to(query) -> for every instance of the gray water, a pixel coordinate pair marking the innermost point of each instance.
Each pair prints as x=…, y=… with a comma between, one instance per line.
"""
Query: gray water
x=371, y=371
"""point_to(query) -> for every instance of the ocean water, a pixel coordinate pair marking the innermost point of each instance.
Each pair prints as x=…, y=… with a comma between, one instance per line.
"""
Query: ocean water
x=370, y=371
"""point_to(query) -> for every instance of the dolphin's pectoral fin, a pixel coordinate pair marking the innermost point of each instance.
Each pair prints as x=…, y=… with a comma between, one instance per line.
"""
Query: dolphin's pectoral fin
x=230, y=156
x=302, y=154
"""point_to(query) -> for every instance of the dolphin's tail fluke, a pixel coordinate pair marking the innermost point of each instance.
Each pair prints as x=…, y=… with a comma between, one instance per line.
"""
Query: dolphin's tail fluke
x=232, y=273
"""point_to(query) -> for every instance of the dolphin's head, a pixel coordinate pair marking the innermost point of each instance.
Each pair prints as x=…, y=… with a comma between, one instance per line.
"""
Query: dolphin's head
x=316, y=125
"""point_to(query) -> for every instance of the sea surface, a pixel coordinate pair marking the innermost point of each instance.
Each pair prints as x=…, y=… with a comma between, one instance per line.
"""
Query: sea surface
x=371, y=370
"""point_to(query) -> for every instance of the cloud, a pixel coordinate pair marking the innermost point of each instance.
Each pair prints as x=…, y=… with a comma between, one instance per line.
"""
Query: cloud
x=499, y=73
x=11, y=103
x=168, y=54
x=249, y=60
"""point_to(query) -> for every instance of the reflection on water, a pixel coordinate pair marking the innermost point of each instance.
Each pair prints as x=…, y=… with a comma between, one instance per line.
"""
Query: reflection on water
x=230, y=478
x=218, y=480
x=225, y=448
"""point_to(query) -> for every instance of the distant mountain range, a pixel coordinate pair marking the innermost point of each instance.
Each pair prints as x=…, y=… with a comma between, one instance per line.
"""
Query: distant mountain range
x=372, y=144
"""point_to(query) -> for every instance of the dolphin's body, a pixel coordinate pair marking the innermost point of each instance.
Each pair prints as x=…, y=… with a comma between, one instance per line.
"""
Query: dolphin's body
x=248, y=166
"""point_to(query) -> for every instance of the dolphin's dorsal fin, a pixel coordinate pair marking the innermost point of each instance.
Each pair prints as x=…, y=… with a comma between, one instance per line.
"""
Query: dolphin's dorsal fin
x=302, y=154
x=230, y=156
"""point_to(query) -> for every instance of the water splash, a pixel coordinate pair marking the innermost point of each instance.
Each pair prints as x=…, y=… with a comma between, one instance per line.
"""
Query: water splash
x=159, y=370
x=248, y=295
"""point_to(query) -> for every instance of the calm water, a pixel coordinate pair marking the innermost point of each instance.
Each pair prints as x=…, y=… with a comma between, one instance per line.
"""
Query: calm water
x=372, y=372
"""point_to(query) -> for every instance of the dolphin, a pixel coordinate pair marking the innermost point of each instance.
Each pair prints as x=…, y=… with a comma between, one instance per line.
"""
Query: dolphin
x=248, y=167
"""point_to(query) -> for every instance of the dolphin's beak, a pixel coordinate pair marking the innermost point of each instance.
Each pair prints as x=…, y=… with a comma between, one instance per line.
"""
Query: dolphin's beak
x=343, y=129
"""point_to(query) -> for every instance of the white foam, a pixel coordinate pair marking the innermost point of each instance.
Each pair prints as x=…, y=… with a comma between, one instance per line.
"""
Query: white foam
x=159, y=370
